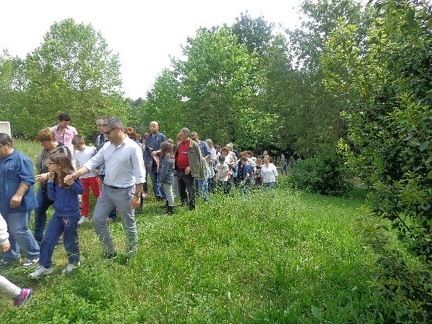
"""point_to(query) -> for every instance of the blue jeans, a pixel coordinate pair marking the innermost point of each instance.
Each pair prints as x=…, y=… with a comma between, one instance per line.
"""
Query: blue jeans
x=41, y=214
x=158, y=191
x=20, y=237
x=57, y=226
x=202, y=188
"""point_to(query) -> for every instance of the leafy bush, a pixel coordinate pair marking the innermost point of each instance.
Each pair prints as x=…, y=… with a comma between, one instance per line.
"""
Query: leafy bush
x=324, y=175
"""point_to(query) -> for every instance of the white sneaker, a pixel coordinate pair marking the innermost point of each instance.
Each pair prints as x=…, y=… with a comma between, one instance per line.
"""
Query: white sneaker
x=82, y=220
x=70, y=267
x=40, y=270
x=30, y=263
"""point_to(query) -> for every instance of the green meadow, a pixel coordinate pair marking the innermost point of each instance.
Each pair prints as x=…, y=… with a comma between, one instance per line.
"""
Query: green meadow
x=288, y=258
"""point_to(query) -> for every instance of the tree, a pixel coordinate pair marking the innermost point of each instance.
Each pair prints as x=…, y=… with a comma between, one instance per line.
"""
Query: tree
x=74, y=71
x=216, y=86
x=317, y=111
x=164, y=104
x=390, y=139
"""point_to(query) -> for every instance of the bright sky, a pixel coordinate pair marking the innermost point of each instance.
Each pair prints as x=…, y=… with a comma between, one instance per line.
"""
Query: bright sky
x=144, y=33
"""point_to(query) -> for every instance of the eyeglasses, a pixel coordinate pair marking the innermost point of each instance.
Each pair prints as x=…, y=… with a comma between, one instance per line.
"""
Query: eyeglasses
x=49, y=163
x=109, y=132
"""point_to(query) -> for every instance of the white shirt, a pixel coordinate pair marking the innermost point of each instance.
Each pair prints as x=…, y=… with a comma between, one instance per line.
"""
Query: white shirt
x=124, y=164
x=269, y=173
x=82, y=157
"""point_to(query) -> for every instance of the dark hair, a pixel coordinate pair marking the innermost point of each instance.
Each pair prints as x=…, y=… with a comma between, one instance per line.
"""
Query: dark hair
x=5, y=138
x=221, y=158
x=64, y=117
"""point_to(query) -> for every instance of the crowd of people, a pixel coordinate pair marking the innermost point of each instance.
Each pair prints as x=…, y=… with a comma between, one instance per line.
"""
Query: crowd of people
x=115, y=170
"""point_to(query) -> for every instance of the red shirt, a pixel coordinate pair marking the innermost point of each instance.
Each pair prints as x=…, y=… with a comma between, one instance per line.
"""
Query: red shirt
x=182, y=156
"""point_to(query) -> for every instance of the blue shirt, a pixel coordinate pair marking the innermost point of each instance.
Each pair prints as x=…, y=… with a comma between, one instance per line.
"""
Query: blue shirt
x=205, y=149
x=248, y=170
x=14, y=169
x=152, y=143
x=66, y=203
x=124, y=165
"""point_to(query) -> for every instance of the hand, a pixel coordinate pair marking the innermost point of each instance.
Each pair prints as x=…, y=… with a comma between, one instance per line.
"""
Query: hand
x=15, y=201
x=135, y=202
x=41, y=177
x=187, y=170
x=69, y=180
x=5, y=247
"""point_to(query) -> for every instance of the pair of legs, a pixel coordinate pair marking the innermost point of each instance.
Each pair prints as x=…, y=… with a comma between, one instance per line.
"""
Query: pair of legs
x=202, y=188
x=120, y=199
x=154, y=176
x=20, y=296
x=92, y=183
x=41, y=214
x=20, y=237
x=113, y=214
x=186, y=187
x=56, y=227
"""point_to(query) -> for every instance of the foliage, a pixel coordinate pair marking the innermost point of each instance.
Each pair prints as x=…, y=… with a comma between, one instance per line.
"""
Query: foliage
x=164, y=104
x=74, y=71
x=390, y=137
x=324, y=174
x=405, y=281
x=216, y=86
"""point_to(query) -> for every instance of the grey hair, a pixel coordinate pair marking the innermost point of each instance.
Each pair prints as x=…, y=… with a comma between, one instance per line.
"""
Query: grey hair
x=185, y=131
x=112, y=122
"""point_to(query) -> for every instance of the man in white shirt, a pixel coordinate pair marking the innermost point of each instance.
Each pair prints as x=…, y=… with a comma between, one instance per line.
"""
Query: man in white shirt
x=122, y=187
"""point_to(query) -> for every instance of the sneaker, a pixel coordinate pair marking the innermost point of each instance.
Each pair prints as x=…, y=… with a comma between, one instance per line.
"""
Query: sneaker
x=23, y=297
x=41, y=270
x=82, y=220
x=71, y=267
x=4, y=263
x=30, y=263
x=110, y=255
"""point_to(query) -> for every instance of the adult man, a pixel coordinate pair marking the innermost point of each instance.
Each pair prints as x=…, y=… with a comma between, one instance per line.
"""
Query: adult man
x=101, y=139
x=124, y=176
x=64, y=133
x=151, y=156
x=189, y=165
x=17, y=199
x=201, y=184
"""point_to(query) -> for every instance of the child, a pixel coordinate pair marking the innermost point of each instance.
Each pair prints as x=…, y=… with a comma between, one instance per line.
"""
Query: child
x=166, y=174
x=222, y=174
x=65, y=218
x=83, y=153
x=247, y=175
x=20, y=296
x=257, y=173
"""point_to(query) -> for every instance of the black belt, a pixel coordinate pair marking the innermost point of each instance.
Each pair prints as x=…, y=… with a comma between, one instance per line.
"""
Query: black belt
x=114, y=187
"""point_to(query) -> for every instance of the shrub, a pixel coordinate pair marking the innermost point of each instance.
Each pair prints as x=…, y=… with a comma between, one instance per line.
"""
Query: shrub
x=324, y=175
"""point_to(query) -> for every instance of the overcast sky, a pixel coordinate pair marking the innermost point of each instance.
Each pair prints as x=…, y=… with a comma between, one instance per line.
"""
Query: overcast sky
x=143, y=33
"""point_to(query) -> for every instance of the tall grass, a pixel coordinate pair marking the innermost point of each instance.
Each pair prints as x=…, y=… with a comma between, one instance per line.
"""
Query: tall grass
x=288, y=258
